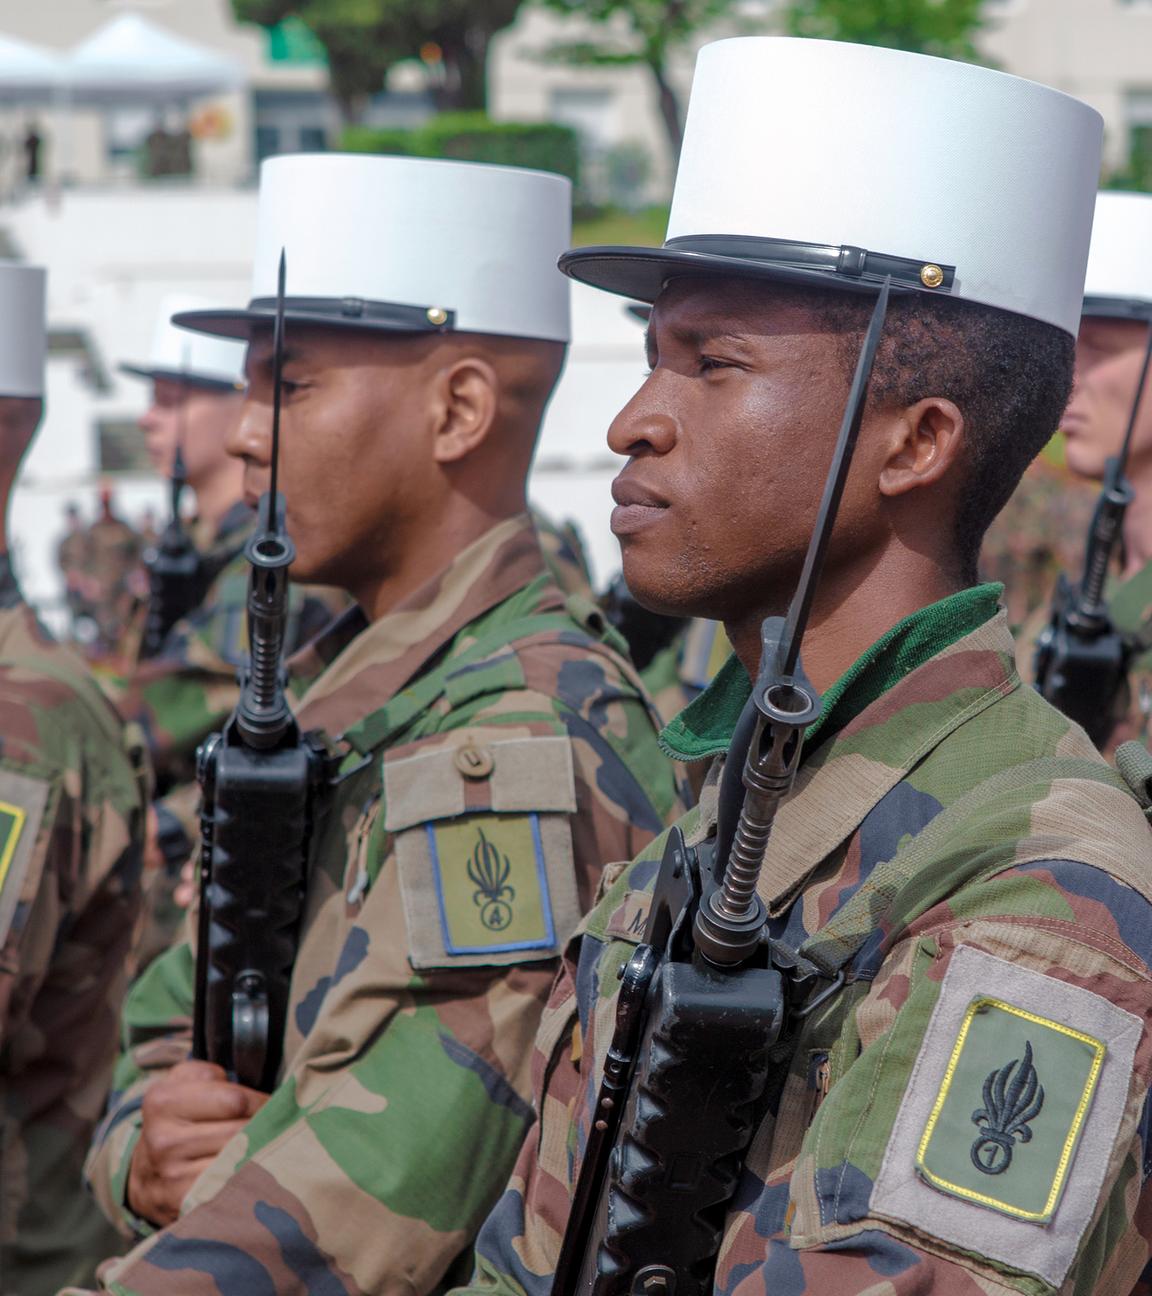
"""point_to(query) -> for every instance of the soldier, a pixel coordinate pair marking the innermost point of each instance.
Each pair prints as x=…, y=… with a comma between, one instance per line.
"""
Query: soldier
x=188, y=687
x=197, y=391
x=72, y=794
x=1110, y=357
x=957, y=891
x=490, y=750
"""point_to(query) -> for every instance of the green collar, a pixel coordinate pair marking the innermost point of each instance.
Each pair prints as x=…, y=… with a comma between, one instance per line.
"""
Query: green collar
x=705, y=726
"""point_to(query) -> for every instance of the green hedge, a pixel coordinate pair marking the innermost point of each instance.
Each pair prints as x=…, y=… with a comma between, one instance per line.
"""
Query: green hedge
x=377, y=139
x=472, y=137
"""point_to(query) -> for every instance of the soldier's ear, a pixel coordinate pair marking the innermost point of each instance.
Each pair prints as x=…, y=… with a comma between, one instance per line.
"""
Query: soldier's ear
x=466, y=401
x=926, y=441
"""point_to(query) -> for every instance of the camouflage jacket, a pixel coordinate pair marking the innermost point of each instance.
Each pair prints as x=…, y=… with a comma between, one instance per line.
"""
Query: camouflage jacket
x=72, y=797
x=190, y=688
x=968, y=1114
x=497, y=751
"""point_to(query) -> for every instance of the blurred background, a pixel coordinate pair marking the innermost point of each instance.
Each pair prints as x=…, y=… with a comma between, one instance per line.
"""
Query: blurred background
x=131, y=132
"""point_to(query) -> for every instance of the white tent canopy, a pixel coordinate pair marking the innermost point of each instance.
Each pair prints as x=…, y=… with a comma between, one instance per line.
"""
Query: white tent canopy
x=131, y=60
x=28, y=73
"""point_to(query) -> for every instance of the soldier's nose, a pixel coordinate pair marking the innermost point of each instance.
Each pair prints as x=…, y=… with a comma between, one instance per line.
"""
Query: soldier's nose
x=249, y=438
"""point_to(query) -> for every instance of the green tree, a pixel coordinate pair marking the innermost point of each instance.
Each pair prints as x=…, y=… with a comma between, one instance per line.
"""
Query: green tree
x=945, y=28
x=363, y=39
x=654, y=30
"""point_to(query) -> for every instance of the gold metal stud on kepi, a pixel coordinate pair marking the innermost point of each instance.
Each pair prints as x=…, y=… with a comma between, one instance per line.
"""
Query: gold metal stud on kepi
x=931, y=276
x=436, y=314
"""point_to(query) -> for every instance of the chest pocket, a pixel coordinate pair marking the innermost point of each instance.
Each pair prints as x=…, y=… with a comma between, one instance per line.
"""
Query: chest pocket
x=484, y=848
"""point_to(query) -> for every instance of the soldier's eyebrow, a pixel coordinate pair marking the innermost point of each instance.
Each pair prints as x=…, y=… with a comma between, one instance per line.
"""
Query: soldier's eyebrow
x=264, y=360
x=698, y=333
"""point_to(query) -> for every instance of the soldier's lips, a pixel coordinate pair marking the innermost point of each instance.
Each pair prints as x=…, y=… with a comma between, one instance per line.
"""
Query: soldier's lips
x=636, y=507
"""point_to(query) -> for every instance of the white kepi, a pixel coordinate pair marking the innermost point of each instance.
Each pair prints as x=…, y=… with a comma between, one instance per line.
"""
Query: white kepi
x=23, y=330
x=407, y=245
x=1119, y=280
x=825, y=162
x=192, y=358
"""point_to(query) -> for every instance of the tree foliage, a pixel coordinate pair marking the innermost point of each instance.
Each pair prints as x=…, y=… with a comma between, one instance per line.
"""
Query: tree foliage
x=946, y=28
x=365, y=38
x=652, y=31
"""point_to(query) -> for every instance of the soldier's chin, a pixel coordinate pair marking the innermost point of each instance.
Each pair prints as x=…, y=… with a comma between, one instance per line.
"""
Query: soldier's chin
x=649, y=584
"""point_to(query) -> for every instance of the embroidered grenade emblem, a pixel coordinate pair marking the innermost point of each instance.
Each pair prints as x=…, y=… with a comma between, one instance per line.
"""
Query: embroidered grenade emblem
x=490, y=870
x=1013, y=1097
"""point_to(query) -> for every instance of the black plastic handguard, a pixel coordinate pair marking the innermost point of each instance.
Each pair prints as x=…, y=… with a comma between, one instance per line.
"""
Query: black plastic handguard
x=258, y=782
x=176, y=585
x=256, y=819
x=1083, y=671
x=658, y=1176
x=1081, y=660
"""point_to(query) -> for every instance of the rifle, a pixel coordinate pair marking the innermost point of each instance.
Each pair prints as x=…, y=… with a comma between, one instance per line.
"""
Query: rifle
x=1081, y=660
x=706, y=1000
x=176, y=577
x=258, y=779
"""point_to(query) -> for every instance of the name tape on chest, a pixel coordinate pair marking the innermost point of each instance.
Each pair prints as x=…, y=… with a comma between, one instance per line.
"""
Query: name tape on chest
x=1003, y=1138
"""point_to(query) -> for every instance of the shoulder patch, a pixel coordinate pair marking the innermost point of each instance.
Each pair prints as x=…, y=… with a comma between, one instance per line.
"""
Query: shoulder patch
x=484, y=848
x=1003, y=1138
x=22, y=802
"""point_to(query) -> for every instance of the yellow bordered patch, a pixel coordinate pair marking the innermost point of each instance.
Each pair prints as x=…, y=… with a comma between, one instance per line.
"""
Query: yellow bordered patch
x=12, y=820
x=1005, y=1124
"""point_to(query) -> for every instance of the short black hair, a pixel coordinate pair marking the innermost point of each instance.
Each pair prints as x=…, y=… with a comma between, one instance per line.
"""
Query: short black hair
x=1010, y=376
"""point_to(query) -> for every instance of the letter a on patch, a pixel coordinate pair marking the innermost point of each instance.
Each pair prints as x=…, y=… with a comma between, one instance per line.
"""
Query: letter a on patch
x=491, y=884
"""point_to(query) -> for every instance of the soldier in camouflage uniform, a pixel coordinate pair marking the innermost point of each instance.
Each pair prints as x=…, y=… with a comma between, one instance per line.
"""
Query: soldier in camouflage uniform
x=72, y=796
x=491, y=748
x=966, y=1114
x=1110, y=354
